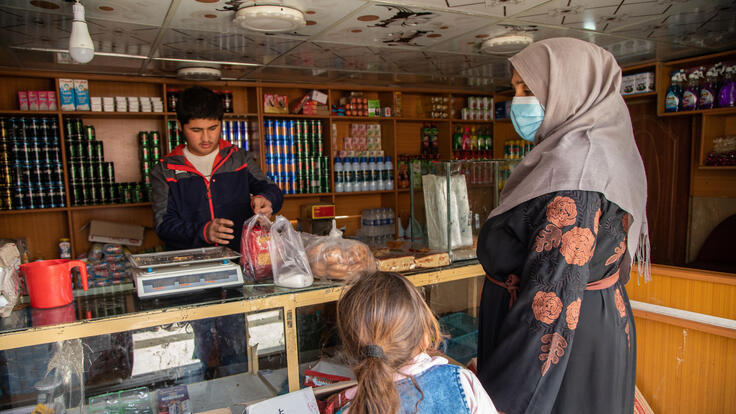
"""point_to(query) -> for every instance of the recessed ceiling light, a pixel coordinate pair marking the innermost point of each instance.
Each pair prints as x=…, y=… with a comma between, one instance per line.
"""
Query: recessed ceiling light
x=264, y=18
x=506, y=44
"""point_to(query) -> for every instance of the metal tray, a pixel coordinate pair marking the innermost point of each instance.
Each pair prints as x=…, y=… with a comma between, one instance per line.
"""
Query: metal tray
x=182, y=257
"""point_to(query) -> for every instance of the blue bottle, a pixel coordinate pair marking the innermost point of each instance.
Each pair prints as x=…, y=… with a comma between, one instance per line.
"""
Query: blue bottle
x=674, y=93
x=691, y=93
x=709, y=90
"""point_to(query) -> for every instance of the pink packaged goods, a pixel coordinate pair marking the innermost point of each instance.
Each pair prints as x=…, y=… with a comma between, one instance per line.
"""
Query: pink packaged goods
x=33, y=100
x=23, y=100
x=51, y=100
x=43, y=103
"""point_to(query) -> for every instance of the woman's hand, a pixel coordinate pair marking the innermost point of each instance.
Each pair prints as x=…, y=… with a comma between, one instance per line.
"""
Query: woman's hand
x=220, y=231
x=261, y=205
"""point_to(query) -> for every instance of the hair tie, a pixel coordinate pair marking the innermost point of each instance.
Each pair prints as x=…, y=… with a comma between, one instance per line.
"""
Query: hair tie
x=373, y=351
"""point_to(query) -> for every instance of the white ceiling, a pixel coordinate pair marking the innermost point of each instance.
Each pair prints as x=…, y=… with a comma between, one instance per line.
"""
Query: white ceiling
x=383, y=42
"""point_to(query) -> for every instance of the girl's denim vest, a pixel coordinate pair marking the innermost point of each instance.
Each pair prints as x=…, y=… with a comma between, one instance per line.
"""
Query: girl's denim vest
x=443, y=392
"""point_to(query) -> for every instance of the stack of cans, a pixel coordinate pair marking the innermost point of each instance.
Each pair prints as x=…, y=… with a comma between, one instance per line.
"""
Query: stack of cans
x=175, y=138
x=236, y=133
x=31, y=173
x=91, y=178
x=295, y=158
x=149, y=155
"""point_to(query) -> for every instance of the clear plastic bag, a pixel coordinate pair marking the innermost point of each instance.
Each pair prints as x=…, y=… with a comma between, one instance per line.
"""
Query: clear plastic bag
x=288, y=258
x=334, y=257
x=255, y=257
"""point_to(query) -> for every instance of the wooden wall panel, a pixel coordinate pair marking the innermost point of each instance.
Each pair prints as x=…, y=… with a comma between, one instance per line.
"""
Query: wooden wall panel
x=41, y=231
x=664, y=144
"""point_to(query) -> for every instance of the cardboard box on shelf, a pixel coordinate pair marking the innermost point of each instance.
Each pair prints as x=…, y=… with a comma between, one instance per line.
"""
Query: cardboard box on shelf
x=318, y=96
x=275, y=104
x=81, y=94
x=66, y=93
x=111, y=232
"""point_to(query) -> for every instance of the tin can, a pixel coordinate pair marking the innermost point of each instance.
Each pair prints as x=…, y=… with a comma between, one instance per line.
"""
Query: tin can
x=19, y=198
x=109, y=172
x=89, y=132
x=155, y=155
x=99, y=150
x=154, y=138
x=65, y=249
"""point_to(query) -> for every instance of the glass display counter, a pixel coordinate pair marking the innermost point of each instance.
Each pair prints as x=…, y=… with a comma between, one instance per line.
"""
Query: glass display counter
x=226, y=346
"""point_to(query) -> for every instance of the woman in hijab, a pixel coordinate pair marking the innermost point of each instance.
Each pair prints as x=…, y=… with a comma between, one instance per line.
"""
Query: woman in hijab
x=556, y=330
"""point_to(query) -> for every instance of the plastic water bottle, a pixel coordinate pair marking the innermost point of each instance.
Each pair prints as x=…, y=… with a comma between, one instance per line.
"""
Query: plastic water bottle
x=389, y=181
x=380, y=184
x=365, y=173
x=339, y=176
x=391, y=229
x=349, y=175
x=372, y=173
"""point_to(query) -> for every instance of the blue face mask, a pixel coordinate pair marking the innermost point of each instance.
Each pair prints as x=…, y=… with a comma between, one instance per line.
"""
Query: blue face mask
x=526, y=115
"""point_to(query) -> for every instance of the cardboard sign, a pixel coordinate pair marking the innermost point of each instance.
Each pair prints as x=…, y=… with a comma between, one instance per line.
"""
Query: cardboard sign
x=121, y=233
x=297, y=402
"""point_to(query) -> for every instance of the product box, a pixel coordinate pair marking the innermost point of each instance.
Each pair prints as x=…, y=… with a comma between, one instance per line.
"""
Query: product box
x=43, y=100
x=111, y=232
x=627, y=84
x=644, y=82
x=23, y=100
x=33, y=100
x=503, y=109
x=81, y=95
x=374, y=107
x=66, y=94
x=174, y=400
x=318, y=96
x=275, y=104
x=51, y=100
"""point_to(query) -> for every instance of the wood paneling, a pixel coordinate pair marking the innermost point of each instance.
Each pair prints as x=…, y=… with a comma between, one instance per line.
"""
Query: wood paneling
x=40, y=230
x=682, y=368
x=664, y=144
x=12, y=85
x=141, y=215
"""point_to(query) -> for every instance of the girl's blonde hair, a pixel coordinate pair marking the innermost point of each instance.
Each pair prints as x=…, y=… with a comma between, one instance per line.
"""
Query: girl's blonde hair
x=383, y=323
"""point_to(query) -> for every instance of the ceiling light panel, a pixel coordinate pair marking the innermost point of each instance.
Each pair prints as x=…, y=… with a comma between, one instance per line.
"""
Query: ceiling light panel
x=495, y=8
x=382, y=25
x=142, y=12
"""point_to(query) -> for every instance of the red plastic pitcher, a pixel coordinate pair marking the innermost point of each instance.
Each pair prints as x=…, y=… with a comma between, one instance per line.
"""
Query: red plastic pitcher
x=50, y=283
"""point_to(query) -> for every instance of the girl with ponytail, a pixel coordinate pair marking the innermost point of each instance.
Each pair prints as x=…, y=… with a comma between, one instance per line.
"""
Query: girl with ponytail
x=386, y=330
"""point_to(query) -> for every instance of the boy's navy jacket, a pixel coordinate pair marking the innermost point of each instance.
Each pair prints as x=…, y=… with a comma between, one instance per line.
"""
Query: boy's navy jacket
x=184, y=202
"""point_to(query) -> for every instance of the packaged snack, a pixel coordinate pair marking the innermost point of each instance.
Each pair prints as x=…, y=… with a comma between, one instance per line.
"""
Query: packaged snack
x=255, y=256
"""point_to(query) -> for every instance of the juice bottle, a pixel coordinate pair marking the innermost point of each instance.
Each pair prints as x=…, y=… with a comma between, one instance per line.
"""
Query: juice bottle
x=473, y=139
x=466, y=139
x=457, y=139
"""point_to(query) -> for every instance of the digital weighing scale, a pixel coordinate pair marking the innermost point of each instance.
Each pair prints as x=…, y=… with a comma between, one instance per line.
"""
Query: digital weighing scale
x=182, y=271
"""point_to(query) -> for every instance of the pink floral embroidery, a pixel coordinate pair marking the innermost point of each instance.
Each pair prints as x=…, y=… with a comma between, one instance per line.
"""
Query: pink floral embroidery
x=628, y=334
x=548, y=238
x=596, y=221
x=577, y=245
x=618, y=252
x=620, y=306
x=552, y=350
x=562, y=211
x=572, y=313
x=546, y=306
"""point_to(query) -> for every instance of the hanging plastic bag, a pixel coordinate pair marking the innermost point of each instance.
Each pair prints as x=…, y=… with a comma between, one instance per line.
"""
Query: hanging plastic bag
x=288, y=258
x=255, y=257
x=333, y=257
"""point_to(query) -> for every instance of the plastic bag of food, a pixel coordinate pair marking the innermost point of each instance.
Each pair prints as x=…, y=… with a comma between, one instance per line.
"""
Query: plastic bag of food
x=9, y=281
x=334, y=257
x=255, y=257
x=288, y=258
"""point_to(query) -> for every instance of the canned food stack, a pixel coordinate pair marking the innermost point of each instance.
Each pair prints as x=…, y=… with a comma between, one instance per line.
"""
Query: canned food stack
x=30, y=164
x=480, y=108
x=236, y=133
x=295, y=158
x=175, y=138
x=91, y=179
x=149, y=154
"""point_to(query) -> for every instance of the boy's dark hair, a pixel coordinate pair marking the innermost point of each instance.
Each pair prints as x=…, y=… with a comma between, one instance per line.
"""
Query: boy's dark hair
x=198, y=102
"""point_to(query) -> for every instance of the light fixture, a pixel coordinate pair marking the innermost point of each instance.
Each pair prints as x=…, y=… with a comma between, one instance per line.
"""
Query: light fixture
x=506, y=44
x=269, y=18
x=198, y=71
x=81, y=48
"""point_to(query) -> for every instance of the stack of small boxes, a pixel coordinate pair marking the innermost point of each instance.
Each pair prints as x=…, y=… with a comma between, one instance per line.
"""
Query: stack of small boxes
x=127, y=104
x=637, y=83
x=107, y=265
x=480, y=108
x=74, y=94
x=364, y=141
x=37, y=100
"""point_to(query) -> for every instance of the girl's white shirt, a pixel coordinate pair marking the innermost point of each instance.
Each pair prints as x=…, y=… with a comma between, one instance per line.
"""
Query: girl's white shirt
x=478, y=400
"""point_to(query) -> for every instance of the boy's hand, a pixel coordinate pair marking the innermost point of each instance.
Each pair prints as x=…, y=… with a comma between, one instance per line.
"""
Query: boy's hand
x=220, y=231
x=261, y=205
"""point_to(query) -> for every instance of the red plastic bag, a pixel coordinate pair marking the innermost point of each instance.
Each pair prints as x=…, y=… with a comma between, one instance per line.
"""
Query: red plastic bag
x=255, y=255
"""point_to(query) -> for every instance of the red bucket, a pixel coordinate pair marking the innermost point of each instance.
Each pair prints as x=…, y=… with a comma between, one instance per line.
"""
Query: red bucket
x=49, y=282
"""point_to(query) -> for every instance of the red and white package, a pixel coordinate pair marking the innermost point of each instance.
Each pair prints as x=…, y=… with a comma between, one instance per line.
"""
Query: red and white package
x=255, y=254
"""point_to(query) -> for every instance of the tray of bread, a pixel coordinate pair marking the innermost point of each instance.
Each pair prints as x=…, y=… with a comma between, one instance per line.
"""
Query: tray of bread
x=182, y=257
x=391, y=260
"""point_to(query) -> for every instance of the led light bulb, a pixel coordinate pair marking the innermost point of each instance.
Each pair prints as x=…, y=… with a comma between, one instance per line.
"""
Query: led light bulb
x=81, y=48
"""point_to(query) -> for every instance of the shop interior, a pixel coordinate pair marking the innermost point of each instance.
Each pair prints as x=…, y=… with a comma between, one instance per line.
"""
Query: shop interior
x=399, y=136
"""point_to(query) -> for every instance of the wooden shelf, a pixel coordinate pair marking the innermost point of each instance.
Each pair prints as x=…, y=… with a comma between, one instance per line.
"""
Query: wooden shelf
x=639, y=95
x=34, y=210
x=469, y=121
x=295, y=116
x=362, y=118
x=116, y=114
x=306, y=195
x=234, y=115
x=364, y=193
x=714, y=111
x=101, y=206
x=407, y=119
x=27, y=113
x=717, y=167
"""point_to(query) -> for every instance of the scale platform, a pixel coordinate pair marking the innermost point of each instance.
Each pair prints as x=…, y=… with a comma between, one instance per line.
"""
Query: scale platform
x=182, y=271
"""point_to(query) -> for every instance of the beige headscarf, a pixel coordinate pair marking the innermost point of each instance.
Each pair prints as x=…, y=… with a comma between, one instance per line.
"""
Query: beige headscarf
x=585, y=141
